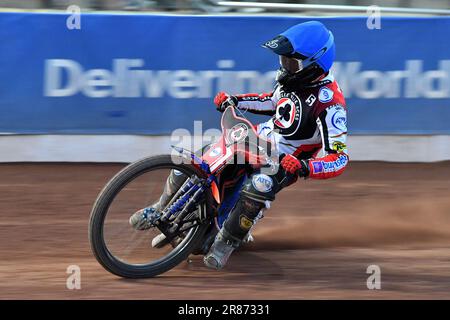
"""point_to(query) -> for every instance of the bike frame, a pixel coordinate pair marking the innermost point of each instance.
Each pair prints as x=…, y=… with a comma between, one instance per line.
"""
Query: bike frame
x=219, y=155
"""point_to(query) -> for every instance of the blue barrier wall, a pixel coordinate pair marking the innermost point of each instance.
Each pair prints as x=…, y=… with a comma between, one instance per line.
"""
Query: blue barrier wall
x=147, y=74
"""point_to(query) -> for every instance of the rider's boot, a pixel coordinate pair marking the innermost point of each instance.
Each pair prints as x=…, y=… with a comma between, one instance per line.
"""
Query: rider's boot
x=234, y=231
x=212, y=233
x=139, y=219
x=256, y=194
x=223, y=246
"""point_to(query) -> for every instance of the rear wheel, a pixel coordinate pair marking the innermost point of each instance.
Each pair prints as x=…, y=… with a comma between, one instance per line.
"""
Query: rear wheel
x=127, y=252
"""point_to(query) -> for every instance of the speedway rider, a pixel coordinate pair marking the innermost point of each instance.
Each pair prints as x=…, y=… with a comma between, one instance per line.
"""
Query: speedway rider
x=309, y=114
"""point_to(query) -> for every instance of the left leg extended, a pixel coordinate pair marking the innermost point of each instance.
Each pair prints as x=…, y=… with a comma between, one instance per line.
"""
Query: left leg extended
x=258, y=189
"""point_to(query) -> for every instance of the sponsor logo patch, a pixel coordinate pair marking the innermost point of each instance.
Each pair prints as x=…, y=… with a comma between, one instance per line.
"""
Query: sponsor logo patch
x=262, y=183
x=288, y=114
x=325, y=95
x=339, y=120
x=339, y=163
x=317, y=167
x=322, y=166
x=245, y=222
x=338, y=146
x=285, y=113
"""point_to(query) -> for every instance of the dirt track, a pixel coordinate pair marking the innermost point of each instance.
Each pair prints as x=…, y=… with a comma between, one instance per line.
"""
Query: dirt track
x=315, y=242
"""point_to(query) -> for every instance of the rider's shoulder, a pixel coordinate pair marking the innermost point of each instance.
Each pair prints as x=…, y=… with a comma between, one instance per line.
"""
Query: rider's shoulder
x=328, y=93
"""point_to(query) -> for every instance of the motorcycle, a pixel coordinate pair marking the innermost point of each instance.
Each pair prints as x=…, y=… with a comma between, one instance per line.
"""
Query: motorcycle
x=194, y=214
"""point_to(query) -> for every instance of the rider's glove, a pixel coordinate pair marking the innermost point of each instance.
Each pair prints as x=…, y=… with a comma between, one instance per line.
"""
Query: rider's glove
x=224, y=100
x=294, y=166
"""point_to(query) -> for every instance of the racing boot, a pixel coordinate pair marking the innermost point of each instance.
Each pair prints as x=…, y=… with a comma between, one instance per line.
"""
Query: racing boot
x=140, y=220
x=211, y=235
x=221, y=250
x=233, y=233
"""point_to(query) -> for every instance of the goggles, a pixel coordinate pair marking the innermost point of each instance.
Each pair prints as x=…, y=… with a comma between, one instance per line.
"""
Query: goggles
x=291, y=65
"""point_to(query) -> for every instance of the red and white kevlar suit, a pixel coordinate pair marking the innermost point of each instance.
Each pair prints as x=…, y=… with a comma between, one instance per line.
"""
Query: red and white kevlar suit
x=307, y=120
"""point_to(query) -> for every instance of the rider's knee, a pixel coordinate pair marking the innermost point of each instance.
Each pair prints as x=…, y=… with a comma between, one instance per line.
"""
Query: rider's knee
x=176, y=179
x=260, y=188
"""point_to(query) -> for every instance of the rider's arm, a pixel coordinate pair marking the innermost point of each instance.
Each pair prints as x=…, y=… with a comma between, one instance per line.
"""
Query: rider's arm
x=263, y=103
x=332, y=124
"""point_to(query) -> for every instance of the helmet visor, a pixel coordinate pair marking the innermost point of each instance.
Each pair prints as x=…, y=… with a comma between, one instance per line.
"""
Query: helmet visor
x=291, y=65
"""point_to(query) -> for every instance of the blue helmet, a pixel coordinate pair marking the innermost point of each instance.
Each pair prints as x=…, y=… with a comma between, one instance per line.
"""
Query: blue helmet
x=310, y=45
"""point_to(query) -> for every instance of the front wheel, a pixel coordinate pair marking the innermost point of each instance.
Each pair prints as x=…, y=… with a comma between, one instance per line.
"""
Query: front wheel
x=127, y=252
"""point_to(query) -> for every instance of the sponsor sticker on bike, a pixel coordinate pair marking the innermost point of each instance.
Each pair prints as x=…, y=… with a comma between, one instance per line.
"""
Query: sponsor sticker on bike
x=238, y=133
x=215, y=152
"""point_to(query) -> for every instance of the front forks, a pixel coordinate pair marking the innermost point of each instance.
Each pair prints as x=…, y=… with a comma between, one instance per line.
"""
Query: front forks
x=172, y=219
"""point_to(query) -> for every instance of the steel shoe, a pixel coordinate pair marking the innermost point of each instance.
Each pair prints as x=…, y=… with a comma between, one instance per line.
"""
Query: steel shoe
x=220, y=252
